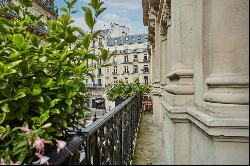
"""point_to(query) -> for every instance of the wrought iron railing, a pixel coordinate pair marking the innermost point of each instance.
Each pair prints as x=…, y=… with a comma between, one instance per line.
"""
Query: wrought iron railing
x=108, y=141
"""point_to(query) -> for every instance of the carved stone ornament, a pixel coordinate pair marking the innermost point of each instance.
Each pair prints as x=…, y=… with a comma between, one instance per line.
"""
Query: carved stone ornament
x=165, y=18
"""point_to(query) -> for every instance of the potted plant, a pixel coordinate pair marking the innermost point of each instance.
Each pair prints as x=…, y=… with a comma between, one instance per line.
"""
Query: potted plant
x=120, y=91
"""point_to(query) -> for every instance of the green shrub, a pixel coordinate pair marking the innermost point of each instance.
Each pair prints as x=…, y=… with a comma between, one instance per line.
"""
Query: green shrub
x=41, y=79
x=123, y=90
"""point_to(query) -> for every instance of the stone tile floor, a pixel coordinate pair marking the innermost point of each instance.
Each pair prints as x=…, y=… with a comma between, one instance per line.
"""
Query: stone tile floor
x=148, y=150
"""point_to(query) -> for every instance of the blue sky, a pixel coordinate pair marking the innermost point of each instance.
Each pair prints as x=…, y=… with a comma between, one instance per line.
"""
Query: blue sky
x=124, y=12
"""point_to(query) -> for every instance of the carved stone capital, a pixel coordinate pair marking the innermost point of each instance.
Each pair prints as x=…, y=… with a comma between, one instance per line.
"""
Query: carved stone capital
x=165, y=18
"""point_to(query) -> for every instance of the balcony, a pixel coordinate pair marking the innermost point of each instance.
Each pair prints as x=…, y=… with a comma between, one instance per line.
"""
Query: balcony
x=40, y=30
x=48, y=6
x=110, y=140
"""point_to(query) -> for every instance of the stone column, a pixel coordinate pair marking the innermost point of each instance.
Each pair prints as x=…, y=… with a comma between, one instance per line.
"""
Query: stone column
x=180, y=87
x=164, y=25
x=226, y=55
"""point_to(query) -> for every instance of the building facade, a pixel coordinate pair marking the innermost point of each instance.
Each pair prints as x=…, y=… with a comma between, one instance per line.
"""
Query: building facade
x=130, y=62
x=199, y=80
x=46, y=8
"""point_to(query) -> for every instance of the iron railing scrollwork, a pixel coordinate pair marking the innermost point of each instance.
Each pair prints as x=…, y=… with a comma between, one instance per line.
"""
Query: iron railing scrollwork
x=108, y=141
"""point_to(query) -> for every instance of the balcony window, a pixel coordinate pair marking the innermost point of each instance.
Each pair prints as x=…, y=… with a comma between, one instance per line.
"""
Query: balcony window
x=99, y=71
x=99, y=82
x=146, y=80
x=135, y=58
x=145, y=69
x=126, y=59
x=126, y=69
x=145, y=59
x=135, y=68
x=114, y=59
x=115, y=70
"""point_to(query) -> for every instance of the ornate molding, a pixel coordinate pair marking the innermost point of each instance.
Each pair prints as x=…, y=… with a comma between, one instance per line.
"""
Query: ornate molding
x=165, y=18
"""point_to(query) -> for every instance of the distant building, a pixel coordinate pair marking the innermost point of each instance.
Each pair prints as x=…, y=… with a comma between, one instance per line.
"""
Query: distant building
x=130, y=62
x=45, y=7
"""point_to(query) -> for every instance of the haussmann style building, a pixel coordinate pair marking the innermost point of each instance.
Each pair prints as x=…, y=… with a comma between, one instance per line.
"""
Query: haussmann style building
x=130, y=61
x=199, y=56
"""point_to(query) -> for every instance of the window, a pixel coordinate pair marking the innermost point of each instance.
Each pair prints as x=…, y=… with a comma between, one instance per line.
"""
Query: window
x=99, y=82
x=126, y=69
x=139, y=37
x=100, y=61
x=114, y=59
x=99, y=71
x=115, y=70
x=126, y=59
x=135, y=68
x=146, y=80
x=145, y=59
x=135, y=58
x=145, y=69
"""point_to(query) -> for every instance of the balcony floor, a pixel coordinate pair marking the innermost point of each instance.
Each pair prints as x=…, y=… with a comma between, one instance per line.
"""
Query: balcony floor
x=148, y=150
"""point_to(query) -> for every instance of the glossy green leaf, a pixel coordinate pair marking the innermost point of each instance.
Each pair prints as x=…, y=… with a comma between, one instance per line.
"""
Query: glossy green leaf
x=68, y=101
x=2, y=129
x=96, y=33
x=5, y=107
x=2, y=84
x=100, y=11
x=14, y=64
x=19, y=95
x=47, y=83
x=64, y=9
x=18, y=40
x=86, y=41
x=2, y=117
x=36, y=91
x=54, y=102
x=39, y=99
x=89, y=20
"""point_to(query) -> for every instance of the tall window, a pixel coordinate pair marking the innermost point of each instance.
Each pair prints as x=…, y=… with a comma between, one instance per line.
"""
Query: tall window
x=99, y=82
x=135, y=68
x=126, y=69
x=135, y=58
x=99, y=71
x=126, y=59
x=114, y=59
x=146, y=80
x=145, y=69
x=145, y=59
x=115, y=69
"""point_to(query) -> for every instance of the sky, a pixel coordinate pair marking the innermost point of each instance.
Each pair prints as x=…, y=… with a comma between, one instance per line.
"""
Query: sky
x=124, y=12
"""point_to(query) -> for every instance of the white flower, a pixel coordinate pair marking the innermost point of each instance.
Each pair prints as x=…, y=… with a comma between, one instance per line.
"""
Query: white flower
x=61, y=145
x=42, y=159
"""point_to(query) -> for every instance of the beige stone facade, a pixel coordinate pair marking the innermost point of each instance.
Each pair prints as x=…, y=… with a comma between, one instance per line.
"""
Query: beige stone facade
x=200, y=78
x=130, y=62
x=45, y=7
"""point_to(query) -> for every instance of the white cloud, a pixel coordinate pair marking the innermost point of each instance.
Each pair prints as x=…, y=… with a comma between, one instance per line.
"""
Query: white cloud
x=124, y=5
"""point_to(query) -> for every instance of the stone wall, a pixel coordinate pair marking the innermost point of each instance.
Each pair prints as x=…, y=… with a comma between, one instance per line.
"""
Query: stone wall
x=200, y=78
